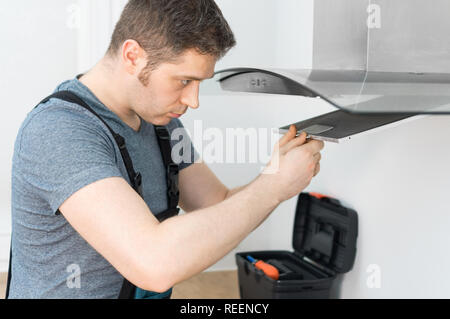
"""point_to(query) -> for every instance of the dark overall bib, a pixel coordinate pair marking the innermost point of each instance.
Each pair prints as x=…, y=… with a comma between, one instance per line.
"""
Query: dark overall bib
x=128, y=290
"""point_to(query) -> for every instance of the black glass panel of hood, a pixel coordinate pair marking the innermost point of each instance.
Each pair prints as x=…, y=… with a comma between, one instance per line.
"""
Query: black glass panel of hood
x=347, y=124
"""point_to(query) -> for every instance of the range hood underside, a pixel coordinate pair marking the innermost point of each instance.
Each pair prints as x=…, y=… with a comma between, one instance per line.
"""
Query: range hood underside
x=354, y=91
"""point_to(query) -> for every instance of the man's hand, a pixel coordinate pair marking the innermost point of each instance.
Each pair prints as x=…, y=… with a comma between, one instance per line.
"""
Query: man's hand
x=295, y=161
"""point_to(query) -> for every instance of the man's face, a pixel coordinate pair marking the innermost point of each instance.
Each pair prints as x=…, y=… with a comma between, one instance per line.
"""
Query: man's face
x=172, y=88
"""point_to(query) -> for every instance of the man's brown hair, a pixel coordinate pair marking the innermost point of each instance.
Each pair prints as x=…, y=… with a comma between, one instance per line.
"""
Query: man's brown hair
x=166, y=28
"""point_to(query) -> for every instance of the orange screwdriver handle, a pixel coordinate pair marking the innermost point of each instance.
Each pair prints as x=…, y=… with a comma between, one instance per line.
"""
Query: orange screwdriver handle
x=268, y=269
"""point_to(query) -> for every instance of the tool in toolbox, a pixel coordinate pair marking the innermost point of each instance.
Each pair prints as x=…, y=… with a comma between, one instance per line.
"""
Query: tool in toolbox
x=269, y=270
x=324, y=240
x=287, y=272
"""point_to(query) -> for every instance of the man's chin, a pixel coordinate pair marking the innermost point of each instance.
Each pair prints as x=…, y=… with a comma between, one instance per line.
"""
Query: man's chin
x=162, y=121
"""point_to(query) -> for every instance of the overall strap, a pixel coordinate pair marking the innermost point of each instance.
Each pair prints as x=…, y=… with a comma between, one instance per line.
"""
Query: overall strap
x=172, y=171
x=128, y=289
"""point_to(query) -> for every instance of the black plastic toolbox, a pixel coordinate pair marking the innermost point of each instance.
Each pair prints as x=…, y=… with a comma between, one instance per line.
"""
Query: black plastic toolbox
x=324, y=242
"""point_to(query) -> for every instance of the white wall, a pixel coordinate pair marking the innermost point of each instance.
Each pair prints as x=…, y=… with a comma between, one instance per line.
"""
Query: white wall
x=95, y=22
x=269, y=34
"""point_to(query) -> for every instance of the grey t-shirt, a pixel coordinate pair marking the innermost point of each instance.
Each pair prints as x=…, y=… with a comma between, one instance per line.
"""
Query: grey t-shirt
x=60, y=148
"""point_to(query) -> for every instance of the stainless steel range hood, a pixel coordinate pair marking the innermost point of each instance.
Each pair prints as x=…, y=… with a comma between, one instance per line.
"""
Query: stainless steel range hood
x=354, y=91
x=374, y=59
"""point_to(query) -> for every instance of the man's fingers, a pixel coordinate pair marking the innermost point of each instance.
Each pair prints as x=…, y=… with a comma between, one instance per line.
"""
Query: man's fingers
x=288, y=136
x=299, y=140
x=317, y=157
x=317, y=169
x=315, y=146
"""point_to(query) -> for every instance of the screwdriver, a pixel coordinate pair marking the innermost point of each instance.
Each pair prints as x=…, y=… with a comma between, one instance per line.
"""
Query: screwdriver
x=269, y=270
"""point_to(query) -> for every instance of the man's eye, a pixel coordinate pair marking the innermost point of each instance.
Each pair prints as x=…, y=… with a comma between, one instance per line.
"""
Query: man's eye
x=185, y=82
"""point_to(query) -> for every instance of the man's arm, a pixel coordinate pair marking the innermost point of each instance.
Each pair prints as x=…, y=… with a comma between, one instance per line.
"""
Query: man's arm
x=200, y=188
x=154, y=256
x=235, y=190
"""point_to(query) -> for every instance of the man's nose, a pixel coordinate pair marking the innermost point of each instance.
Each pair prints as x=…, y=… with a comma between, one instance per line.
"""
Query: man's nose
x=190, y=95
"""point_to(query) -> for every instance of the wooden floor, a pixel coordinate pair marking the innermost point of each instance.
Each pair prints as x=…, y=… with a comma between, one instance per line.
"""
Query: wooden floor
x=2, y=285
x=207, y=285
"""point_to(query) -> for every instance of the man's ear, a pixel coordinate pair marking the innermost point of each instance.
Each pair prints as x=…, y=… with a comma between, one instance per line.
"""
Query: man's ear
x=133, y=57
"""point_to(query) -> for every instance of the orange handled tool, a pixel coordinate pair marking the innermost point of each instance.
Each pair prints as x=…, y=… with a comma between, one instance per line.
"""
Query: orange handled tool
x=269, y=270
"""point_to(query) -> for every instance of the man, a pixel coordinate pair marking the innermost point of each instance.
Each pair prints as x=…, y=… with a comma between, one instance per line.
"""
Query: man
x=67, y=161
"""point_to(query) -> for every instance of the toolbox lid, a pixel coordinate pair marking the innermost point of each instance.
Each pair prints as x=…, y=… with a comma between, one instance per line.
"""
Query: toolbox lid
x=325, y=232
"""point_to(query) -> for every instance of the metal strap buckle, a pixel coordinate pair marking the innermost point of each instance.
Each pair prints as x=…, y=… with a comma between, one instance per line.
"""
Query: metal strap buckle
x=120, y=141
x=162, y=132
